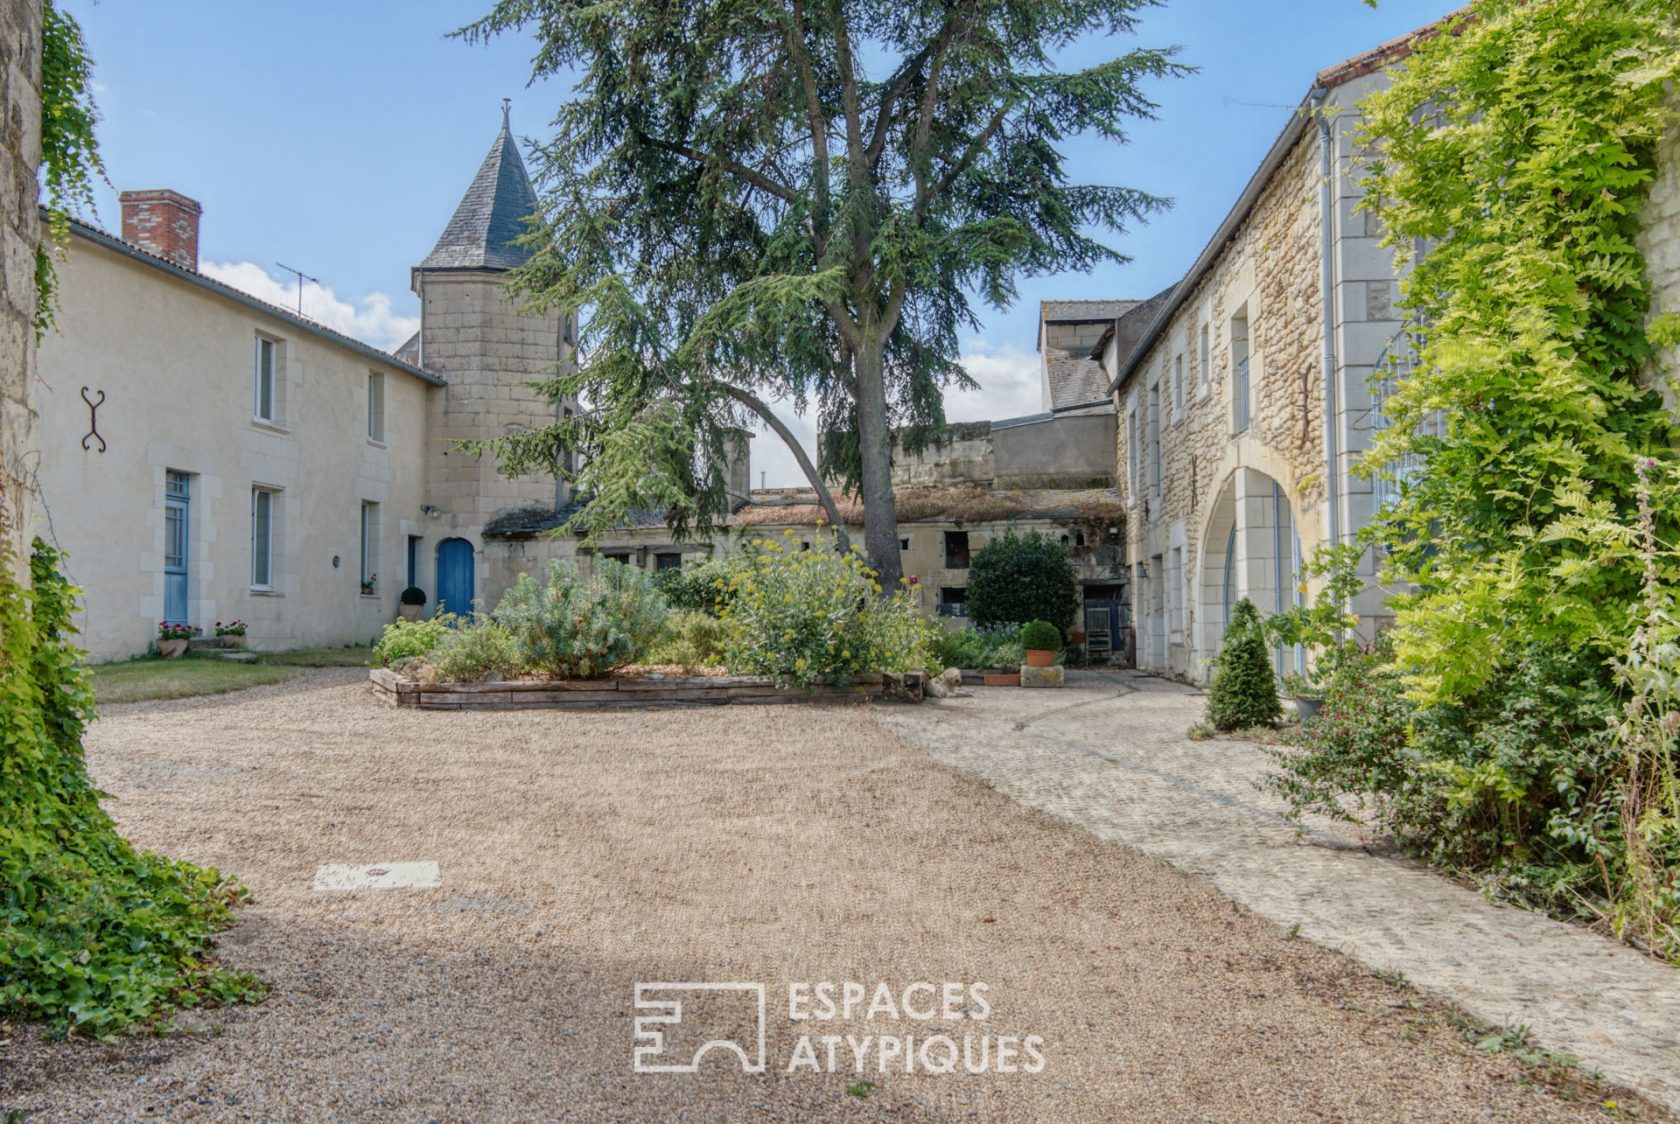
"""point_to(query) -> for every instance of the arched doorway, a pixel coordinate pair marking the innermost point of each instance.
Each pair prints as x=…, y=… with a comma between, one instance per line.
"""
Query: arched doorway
x=1252, y=549
x=455, y=576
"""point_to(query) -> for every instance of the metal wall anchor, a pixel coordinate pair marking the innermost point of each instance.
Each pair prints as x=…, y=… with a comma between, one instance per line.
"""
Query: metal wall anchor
x=93, y=421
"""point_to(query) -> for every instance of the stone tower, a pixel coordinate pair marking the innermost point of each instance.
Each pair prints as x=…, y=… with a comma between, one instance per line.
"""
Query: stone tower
x=473, y=334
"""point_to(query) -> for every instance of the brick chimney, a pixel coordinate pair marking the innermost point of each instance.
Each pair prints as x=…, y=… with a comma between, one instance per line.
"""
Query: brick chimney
x=164, y=223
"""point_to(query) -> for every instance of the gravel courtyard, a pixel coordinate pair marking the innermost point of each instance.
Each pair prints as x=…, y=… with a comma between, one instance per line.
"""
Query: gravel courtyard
x=583, y=853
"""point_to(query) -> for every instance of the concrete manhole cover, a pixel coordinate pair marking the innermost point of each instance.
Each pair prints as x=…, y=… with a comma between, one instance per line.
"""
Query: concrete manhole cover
x=378, y=876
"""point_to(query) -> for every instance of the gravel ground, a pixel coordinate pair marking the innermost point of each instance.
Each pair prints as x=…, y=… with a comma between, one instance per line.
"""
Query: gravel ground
x=583, y=853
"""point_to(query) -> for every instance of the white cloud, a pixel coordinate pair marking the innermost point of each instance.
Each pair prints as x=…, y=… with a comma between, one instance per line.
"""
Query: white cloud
x=370, y=319
x=1010, y=387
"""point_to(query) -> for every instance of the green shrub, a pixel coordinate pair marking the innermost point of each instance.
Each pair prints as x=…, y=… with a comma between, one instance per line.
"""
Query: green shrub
x=809, y=616
x=475, y=652
x=692, y=639
x=411, y=639
x=93, y=934
x=700, y=587
x=1021, y=578
x=571, y=628
x=1041, y=636
x=975, y=648
x=1243, y=692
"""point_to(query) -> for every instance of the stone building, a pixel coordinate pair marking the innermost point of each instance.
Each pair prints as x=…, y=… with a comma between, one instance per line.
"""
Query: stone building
x=208, y=456
x=1248, y=399
x=20, y=232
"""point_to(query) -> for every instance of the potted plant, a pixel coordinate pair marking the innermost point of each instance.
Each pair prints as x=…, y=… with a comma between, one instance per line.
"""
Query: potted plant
x=369, y=583
x=411, y=606
x=1042, y=640
x=1319, y=629
x=173, y=637
x=231, y=633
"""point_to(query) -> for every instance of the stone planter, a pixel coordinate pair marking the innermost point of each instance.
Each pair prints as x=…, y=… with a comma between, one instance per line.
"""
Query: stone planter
x=172, y=649
x=231, y=641
x=1307, y=708
x=411, y=612
x=1040, y=657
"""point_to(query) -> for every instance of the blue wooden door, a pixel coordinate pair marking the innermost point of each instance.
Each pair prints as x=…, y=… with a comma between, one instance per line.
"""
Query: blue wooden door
x=176, y=537
x=455, y=576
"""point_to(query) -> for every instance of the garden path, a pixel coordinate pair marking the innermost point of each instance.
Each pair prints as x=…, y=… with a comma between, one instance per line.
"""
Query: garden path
x=1110, y=755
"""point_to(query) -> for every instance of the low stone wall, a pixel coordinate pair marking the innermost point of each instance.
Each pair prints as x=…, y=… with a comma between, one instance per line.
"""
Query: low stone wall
x=601, y=694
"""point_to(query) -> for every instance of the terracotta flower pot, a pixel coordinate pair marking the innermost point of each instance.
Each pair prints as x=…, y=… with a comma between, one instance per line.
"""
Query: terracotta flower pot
x=1040, y=657
x=1000, y=679
x=171, y=649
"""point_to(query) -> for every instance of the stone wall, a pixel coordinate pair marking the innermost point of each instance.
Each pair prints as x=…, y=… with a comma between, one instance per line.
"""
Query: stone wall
x=20, y=231
x=1270, y=270
x=1659, y=241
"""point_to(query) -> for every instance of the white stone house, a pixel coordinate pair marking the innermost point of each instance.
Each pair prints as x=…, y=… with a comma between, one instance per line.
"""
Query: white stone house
x=1247, y=401
x=207, y=456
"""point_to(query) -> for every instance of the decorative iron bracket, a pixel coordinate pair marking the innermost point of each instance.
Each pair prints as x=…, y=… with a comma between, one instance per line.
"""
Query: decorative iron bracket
x=93, y=421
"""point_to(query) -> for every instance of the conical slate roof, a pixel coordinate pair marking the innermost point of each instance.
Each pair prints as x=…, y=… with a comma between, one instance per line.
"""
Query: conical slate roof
x=491, y=215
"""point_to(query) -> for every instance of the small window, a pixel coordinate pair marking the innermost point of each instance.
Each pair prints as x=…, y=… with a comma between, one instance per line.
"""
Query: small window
x=262, y=538
x=669, y=561
x=414, y=560
x=1178, y=387
x=1240, y=405
x=956, y=550
x=1203, y=372
x=904, y=544
x=265, y=397
x=623, y=559
x=953, y=601
x=376, y=406
x=370, y=547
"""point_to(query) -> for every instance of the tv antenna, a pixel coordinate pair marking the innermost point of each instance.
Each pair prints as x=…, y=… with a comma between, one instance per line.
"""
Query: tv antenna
x=302, y=277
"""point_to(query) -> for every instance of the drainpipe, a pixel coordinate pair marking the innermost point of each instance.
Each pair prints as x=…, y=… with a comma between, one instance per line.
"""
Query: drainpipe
x=1327, y=292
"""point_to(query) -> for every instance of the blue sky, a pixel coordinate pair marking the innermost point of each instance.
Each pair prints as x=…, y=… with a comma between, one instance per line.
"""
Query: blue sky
x=337, y=138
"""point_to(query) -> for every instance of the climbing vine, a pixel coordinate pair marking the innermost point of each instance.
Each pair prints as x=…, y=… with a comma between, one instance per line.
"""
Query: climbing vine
x=94, y=935
x=1517, y=147
x=70, y=162
x=1533, y=744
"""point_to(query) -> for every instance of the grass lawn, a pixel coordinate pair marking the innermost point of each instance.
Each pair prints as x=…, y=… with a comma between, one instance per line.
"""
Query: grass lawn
x=139, y=680
x=145, y=679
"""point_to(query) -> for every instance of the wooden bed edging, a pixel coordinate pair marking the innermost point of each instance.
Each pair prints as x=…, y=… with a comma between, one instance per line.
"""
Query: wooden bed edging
x=601, y=694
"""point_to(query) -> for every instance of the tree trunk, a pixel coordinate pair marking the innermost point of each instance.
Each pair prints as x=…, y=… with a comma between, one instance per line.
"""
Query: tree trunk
x=880, y=518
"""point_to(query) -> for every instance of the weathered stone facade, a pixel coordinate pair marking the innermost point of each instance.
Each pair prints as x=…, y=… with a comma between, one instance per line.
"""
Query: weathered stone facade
x=20, y=232
x=1229, y=492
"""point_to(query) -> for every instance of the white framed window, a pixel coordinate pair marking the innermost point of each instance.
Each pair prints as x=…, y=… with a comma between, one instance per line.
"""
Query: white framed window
x=1175, y=589
x=376, y=406
x=1154, y=423
x=263, y=504
x=1241, y=406
x=265, y=381
x=1204, y=365
x=370, y=547
x=1178, y=387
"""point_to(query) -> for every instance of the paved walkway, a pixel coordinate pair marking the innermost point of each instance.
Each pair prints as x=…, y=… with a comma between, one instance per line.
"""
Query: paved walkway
x=1109, y=754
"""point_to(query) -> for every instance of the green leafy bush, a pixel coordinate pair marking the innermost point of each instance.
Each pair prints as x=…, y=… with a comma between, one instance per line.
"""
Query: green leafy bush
x=1041, y=636
x=977, y=648
x=411, y=640
x=1243, y=692
x=572, y=628
x=701, y=587
x=692, y=639
x=474, y=652
x=1021, y=578
x=809, y=616
x=93, y=934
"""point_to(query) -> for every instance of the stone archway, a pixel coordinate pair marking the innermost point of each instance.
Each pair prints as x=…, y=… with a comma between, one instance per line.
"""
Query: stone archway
x=1251, y=548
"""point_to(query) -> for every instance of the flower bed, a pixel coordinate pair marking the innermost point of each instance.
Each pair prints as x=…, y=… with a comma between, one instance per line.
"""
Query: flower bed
x=636, y=691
